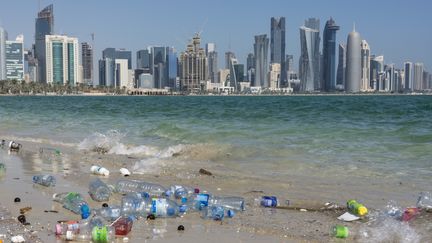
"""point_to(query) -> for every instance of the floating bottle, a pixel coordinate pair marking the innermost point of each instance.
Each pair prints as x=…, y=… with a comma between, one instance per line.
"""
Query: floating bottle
x=99, y=191
x=44, y=180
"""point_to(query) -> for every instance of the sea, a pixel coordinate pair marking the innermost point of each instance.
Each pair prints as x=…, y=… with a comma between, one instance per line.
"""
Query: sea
x=373, y=147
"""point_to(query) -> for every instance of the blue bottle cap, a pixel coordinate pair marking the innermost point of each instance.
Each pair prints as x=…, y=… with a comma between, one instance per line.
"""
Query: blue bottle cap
x=85, y=211
x=230, y=213
x=269, y=201
x=183, y=208
x=184, y=200
x=170, y=211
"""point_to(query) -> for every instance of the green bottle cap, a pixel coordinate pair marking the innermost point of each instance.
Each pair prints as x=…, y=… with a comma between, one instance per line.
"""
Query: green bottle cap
x=340, y=231
x=100, y=234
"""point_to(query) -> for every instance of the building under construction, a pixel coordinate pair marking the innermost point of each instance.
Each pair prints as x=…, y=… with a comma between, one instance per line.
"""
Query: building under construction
x=193, y=69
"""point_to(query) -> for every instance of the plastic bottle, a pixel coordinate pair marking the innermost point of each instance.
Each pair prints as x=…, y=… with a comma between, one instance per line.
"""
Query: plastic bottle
x=217, y=213
x=340, y=231
x=44, y=180
x=2, y=169
x=76, y=227
x=73, y=202
x=163, y=207
x=109, y=213
x=123, y=225
x=127, y=186
x=136, y=204
x=99, y=191
x=179, y=192
x=268, y=201
x=425, y=201
x=98, y=170
x=356, y=208
x=14, y=146
x=125, y=172
x=103, y=234
x=235, y=203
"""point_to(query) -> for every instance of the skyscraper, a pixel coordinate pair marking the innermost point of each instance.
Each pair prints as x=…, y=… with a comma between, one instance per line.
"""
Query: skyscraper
x=15, y=59
x=418, y=76
x=114, y=67
x=159, y=66
x=44, y=26
x=409, y=75
x=87, y=62
x=250, y=68
x=277, y=45
x=212, y=61
x=353, y=62
x=340, y=79
x=193, y=66
x=261, y=46
x=236, y=74
x=61, y=59
x=228, y=56
x=377, y=72
x=143, y=60
x=365, y=65
x=329, y=56
x=172, y=67
x=289, y=61
x=3, y=37
x=309, y=56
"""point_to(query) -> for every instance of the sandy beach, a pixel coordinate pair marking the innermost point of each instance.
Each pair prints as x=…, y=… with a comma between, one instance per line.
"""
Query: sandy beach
x=255, y=224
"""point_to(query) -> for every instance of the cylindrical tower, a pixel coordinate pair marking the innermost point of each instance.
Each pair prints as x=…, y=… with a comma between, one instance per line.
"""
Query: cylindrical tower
x=353, y=62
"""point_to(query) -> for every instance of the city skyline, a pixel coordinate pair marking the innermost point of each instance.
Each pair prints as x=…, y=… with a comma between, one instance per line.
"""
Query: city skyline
x=134, y=29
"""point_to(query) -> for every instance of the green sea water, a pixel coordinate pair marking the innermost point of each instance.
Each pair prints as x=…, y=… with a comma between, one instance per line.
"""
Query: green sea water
x=371, y=136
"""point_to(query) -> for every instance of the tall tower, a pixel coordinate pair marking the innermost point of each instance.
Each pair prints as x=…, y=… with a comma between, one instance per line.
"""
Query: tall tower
x=87, y=62
x=353, y=60
x=3, y=37
x=15, y=58
x=365, y=65
x=212, y=61
x=193, y=66
x=329, y=56
x=309, y=56
x=277, y=45
x=61, y=59
x=340, y=79
x=418, y=76
x=408, y=76
x=261, y=46
x=44, y=26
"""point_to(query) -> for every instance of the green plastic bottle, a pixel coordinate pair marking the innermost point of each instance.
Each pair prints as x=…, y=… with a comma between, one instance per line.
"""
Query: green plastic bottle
x=356, y=208
x=340, y=231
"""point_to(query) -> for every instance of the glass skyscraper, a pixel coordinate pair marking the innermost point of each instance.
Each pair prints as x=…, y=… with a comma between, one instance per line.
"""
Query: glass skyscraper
x=261, y=46
x=61, y=59
x=309, y=56
x=3, y=37
x=329, y=56
x=44, y=26
x=15, y=59
x=87, y=62
x=277, y=45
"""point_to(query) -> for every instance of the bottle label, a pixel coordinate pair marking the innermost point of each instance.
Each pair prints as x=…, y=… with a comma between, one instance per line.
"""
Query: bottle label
x=69, y=235
x=269, y=201
x=159, y=206
x=202, y=199
x=99, y=234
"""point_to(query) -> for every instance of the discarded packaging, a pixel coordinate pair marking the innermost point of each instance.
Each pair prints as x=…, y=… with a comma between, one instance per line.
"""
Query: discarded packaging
x=125, y=172
x=348, y=217
x=14, y=146
x=356, y=208
x=98, y=170
x=340, y=231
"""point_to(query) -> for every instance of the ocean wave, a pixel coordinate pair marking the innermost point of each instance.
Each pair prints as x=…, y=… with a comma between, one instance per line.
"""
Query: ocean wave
x=121, y=149
x=101, y=142
x=148, y=166
x=38, y=141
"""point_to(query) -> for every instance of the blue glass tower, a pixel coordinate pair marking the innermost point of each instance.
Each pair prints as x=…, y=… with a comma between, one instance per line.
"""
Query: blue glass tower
x=44, y=26
x=329, y=56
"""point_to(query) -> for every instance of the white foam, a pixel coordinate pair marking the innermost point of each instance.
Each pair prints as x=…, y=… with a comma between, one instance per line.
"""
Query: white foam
x=170, y=151
x=99, y=140
x=121, y=149
x=148, y=166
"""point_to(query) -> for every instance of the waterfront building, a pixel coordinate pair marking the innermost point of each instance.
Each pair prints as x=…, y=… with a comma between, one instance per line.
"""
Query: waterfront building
x=172, y=68
x=159, y=66
x=365, y=66
x=289, y=61
x=277, y=45
x=340, y=79
x=353, y=63
x=223, y=76
x=250, y=68
x=3, y=38
x=193, y=66
x=228, y=56
x=309, y=56
x=261, y=46
x=15, y=58
x=87, y=63
x=62, y=59
x=274, y=76
x=143, y=60
x=377, y=72
x=145, y=81
x=236, y=74
x=115, y=68
x=409, y=76
x=118, y=54
x=418, y=76
x=329, y=56
x=212, y=57
x=44, y=27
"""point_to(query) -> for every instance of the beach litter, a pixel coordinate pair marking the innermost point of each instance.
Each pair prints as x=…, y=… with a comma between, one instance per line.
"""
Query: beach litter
x=14, y=146
x=205, y=172
x=17, y=239
x=125, y=172
x=348, y=217
x=25, y=210
x=99, y=170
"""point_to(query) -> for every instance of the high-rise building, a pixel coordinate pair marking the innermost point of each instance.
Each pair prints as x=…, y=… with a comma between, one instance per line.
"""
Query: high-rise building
x=62, y=59
x=212, y=61
x=289, y=60
x=172, y=67
x=193, y=66
x=3, y=38
x=310, y=56
x=107, y=72
x=409, y=76
x=365, y=65
x=261, y=46
x=228, y=56
x=277, y=46
x=159, y=65
x=143, y=60
x=329, y=56
x=250, y=68
x=118, y=54
x=236, y=74
x=113, y=73
x=377, y=72
x=418, y=76
x=353, y=62
x=274, y=76
x=15, y=59
x=390, y=80
x=44, y=26
x=87, y=62
x=425, y=80
x=340, y=79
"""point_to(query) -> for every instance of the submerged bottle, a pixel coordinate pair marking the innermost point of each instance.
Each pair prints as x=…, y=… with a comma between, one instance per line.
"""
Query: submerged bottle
x=73, y=202
x=127, y=186
x=44, y=180
x=98, y=170
x=356, y=208
x=99, y=191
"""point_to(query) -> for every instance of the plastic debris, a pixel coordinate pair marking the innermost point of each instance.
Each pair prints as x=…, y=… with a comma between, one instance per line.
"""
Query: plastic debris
x=340, y=231
x=17, y=239
x=348, y=217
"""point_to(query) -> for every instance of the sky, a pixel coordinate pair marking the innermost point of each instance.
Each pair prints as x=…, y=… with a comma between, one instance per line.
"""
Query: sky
x=401, y=30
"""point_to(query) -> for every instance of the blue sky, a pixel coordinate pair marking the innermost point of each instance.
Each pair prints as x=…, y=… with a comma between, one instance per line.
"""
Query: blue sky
x=400, y=30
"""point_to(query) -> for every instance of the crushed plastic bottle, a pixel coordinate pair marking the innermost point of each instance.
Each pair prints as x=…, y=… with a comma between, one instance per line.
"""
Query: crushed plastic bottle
x=98, y=170
x=75, y=227
x=99, y=191
x=179, y=192
x=136, y=204
x=127, y=186
x=123, y=225
x=235, y=203
x=44, y=180
x=425, y=201
x=73, y=202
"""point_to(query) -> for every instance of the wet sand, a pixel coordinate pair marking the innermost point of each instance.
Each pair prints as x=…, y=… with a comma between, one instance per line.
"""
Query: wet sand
x=256, y=224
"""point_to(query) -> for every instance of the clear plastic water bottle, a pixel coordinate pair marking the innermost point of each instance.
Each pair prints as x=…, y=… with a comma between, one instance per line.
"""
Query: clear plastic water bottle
x=73, y=202
x=235, y=203
x=127, y=186
x=44, y=180
x=425, y=201
x=98, y=170
x=76, y=227
x=179, y=192
x=135, y=204
x=217, y=213
x=109, y=213
x=46, y=150
x=163, y=207
x=99, y=191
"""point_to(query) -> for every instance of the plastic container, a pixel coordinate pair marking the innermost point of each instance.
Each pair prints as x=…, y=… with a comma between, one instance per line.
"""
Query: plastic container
x=425, y=201
x=356, y=208
x=44, y=180
x=122, y=226
x=235, y=203
x=179, y=192
x=99, y=191
x=14, y=146
x=109, y=213
x=73, y=202
x=136, y=204
x=162, y=207
x=102, y=234
x=340, y=231
x=76, y=227
x=125, y=172
x=98, y=170
x=127, y=186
